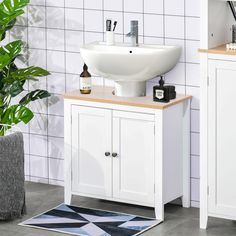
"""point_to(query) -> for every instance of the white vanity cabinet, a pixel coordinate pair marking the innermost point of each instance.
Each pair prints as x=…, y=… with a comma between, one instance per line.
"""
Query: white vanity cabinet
x=133, y=167
x=111, y=153
x=129, y=150
x=91, y=139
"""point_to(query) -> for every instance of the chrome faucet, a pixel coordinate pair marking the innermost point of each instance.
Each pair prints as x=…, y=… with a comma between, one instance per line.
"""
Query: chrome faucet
x=133, y=34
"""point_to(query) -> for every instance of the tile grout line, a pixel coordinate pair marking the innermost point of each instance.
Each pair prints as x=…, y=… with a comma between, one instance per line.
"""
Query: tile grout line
x=97, y=9
x=164, y=24
x=103, y=25
x=185, y=78
x=46, y=44
x=185, y=48
x=65, y=47
x=123, y=15
x=100, y=32
x=29, y=164
x=143, y=22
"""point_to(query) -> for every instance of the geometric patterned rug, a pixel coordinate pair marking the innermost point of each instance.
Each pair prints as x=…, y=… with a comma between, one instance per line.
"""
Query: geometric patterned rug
x=90, y=222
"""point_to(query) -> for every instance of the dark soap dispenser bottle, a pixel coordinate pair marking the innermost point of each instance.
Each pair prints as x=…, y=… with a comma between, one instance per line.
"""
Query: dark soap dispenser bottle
x=161, y=93
x=85, y=81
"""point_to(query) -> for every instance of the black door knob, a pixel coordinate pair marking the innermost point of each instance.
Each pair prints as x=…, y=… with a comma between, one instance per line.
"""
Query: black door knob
x=114, y=154
x=107, y=154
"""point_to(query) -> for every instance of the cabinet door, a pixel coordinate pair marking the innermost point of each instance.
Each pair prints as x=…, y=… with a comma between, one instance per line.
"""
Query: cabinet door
x=222, y=138
x=133, y=168
x=91, y=138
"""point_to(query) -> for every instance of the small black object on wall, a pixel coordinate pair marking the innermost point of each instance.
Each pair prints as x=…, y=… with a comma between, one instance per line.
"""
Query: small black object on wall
x=231, y=4
x=163, y=93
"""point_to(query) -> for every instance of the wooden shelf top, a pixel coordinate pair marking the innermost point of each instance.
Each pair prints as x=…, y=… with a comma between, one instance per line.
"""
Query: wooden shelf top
x=104, y=95
x=219, y=50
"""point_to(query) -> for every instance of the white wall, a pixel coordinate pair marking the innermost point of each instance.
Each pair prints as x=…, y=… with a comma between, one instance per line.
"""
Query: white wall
x=55, y=30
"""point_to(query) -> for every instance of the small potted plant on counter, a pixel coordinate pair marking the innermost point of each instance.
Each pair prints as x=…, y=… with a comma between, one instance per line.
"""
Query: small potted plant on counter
x=12, y=83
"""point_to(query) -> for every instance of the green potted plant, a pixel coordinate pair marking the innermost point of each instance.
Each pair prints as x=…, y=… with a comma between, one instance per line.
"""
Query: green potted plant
x=13, y=79
x=12, y=83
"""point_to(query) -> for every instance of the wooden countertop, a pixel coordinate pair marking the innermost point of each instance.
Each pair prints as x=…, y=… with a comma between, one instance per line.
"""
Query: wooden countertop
x=104, y=95
x=219, y=50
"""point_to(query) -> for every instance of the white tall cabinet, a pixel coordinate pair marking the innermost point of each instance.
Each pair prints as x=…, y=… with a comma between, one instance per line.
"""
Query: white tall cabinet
x=218, y=114
x=129, y=150
x=222, y=140
x=218, y=163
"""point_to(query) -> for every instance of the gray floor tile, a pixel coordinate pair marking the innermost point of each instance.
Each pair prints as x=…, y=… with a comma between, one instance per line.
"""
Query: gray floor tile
x=178, y=221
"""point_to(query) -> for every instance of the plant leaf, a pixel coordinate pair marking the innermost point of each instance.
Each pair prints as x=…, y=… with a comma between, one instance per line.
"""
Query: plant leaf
x=4, y=60
x=4, y=74
x=12, y=49
x=9, y=52
x=13, y=88
x=13, y=5
x=11, y=24
x=28, y=72
x=15, y=114
x=9, y=11
x=1, y=111
x=34, y=95
x=1, y=100
x=8, y=17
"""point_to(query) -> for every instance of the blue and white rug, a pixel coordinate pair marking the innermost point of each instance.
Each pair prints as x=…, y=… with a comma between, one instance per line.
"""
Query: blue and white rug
x=90, y=222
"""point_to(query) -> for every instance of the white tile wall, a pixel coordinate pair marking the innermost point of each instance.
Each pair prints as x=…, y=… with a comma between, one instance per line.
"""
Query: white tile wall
x=154, y=6
x=74, y=39
x=38, y=145
x=116, y=5
x=93, y=20
x=174, y=7
x=74, y=19
x=74, y=3
x=174, y=27
x=133, y=6
x=54, y=31
x=55, y=39
x=91, y=4
x=150, y=29
x=37, y=37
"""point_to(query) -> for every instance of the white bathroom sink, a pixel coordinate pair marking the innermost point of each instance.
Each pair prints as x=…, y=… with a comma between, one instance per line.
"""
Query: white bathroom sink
x=129, y=66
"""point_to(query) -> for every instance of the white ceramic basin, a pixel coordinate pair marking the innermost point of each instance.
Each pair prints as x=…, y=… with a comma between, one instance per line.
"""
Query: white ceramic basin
x=129, y=66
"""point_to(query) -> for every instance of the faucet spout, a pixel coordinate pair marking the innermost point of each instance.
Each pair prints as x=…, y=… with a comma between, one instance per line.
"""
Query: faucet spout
x=130, y=34
x=133, y=34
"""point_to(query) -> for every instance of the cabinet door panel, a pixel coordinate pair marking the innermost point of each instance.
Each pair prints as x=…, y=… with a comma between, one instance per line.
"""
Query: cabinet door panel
x=222, y=141
x=133, y=140
x=91, y=138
